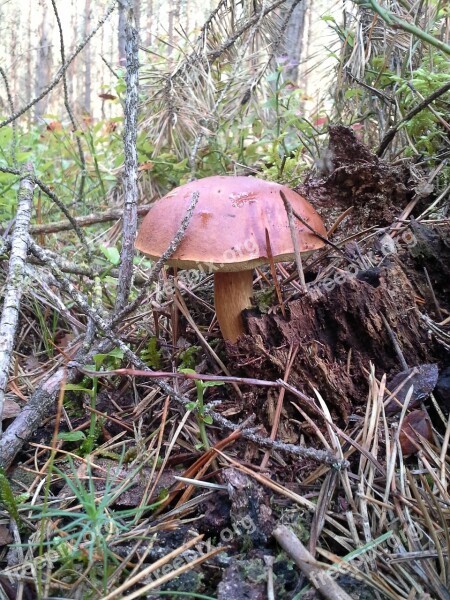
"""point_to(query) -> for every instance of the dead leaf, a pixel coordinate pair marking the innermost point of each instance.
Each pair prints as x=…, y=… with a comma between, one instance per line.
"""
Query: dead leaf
x=10, y=409
x=5, y=536
x=423, y=378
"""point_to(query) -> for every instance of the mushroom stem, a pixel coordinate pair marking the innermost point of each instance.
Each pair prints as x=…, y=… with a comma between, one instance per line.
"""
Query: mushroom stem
x=232, y=294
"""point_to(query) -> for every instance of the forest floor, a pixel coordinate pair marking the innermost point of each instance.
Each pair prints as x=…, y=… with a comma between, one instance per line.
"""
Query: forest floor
x=338, y=448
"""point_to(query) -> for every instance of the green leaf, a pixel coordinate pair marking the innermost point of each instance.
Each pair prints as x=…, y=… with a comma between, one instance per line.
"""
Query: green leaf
x=273, y=76
x=7, y=498
x=71, y=436
x=212, y=383
x=111, y=253
x=78, y=387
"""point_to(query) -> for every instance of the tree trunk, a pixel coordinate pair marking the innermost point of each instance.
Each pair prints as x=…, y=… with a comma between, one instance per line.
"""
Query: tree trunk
x=294, y=39
x=149, y=23
x=28, y=77
x=137, y=16
x=42, y=62
x=87, y=59
x=122, y=5
x=170, y=31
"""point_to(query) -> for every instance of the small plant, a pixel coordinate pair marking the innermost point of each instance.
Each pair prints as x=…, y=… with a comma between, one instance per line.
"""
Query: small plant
x=95, y=424
x=8, y=500
x=86, y=535
x=151, y=354
x=199, y=407
x=188, y=357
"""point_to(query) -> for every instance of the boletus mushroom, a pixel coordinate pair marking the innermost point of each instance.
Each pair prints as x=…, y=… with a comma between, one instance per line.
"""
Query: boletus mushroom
x=227, y=236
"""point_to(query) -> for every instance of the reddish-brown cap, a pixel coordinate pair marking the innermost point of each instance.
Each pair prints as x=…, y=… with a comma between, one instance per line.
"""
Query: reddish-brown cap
x=228, y=228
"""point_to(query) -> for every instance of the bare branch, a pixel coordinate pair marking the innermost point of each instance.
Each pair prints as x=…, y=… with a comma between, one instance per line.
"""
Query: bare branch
x=294, y=236
x=15, y=278
x=67, y=105
x=129, y=223
x=109, y=215
x=14, y=125
x=59, y=204
x=161, y=261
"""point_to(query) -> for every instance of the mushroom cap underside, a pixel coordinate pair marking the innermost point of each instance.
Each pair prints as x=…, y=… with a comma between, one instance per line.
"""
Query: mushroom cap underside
x=227, y=231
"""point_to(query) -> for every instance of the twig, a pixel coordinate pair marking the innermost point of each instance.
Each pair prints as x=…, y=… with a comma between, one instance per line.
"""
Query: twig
x=412, y=113
x=276, y=420
x=315, y=571
x=109, y=215
x=395, y=343
x=339, y=220
x=14, y=125
x=59, y=204
x=67, y=266
x=15, y=278
x=321, y=456
x=170, y=375
x=316, y=233
x=161, y=261
x=129, y=221
x=433, y=295
x=294, y=236
x=67, y=105
x=180, y=303
x=274, y=273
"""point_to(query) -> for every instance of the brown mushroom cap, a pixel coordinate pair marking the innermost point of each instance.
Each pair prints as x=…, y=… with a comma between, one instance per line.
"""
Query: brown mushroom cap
x=227, y=231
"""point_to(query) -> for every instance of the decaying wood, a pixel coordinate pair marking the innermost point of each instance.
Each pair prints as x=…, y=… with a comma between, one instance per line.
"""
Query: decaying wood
x=339, y=333
x=355, y=177
x=249, y=501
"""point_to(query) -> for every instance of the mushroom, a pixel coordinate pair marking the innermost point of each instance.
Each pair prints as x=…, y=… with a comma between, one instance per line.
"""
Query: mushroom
x=227, y=236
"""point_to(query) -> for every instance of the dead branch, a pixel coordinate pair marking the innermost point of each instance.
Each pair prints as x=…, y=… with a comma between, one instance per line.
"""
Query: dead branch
x=67, y=105
x=161, y=261
x=59, y=204
x=15, y=278
x=92, y=219
x=313, y=569
x=412, y=113
x=129, y=220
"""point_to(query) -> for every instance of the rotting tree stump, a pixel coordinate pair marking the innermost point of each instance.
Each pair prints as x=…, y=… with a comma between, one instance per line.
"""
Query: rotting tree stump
x=340, y=332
